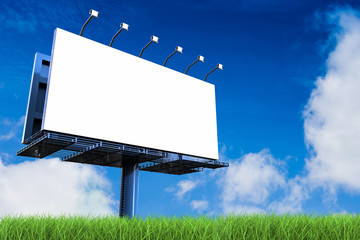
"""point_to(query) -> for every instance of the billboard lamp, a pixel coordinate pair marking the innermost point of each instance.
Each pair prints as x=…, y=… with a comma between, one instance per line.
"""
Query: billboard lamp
x=123, y=26
x=199, y=58
x=218, y=66
x=177, y=49
x=92, y=13
x=152, y=39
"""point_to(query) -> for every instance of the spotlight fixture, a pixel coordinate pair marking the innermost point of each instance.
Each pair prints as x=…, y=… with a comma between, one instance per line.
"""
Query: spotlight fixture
x=218, y=66
x=92, y=13
x=152, y=39
x=199, y=58
x=177, y=49
x=123, y=26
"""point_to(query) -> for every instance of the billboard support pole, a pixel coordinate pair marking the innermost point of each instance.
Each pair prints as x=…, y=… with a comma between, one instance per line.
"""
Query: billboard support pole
x=129, y=189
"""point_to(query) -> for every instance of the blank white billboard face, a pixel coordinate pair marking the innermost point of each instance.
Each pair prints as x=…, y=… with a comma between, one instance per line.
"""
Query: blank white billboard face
x=99, y=92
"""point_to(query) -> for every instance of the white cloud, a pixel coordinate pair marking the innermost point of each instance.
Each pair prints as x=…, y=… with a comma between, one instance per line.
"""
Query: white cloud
x=7, y=136
x=170, y=189
x=49, y=186
x=296, y=193
x=257, y=183
x=332, y=115
x=12, y=128
x=184, y=187
x=249, y=185
x=199, y=205
x=5, y=156
x=251, y=179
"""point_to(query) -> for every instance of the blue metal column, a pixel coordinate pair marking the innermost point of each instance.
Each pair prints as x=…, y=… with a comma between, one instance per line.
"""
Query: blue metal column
x=129, y=189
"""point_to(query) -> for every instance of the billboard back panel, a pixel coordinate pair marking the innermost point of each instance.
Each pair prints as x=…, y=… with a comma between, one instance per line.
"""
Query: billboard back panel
x=99, y=92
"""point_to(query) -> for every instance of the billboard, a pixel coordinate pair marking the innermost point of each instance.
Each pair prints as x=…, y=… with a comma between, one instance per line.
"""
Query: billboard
x=100, y=92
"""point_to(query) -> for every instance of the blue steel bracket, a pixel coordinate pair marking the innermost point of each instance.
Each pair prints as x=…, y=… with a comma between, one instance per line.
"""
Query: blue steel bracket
x=37, y=95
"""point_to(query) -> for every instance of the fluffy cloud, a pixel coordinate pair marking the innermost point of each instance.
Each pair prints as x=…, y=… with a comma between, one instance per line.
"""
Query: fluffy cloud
x=49, y=186
x=332, y=115
x=249, y=181
x=199, y=205
x=184, y=187
x=12, y=127
x=297, y=191
x=248, y=185
x=7, y=136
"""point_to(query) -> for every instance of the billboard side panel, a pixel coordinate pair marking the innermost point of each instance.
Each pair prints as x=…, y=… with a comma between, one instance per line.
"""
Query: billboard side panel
x=37, y=96
x=100, y=92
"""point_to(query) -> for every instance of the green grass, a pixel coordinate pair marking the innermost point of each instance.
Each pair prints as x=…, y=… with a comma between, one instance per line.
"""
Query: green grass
x=232, y=227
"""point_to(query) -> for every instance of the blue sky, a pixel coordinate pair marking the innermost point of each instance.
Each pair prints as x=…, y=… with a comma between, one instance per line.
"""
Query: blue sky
x=287, y=105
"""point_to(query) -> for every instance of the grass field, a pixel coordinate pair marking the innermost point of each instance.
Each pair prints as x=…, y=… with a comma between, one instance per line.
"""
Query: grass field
x=231, y=227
